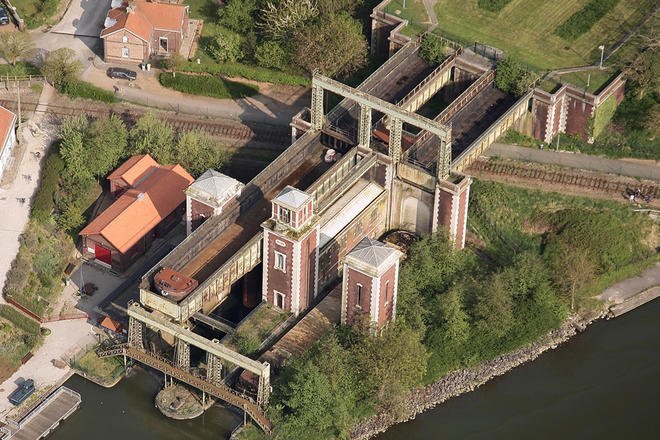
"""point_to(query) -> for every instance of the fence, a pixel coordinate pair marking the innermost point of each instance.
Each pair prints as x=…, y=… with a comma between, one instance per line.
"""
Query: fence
x=9, y=82
x=20, y=23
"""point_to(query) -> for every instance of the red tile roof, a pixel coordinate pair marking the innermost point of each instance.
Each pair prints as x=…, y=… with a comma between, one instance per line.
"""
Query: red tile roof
x=7, y=122
x=110, y=324
x=157, y=193
x=146, y=17
x=133, y=169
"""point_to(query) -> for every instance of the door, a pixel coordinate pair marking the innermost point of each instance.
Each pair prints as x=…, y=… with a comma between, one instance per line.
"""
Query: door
x=102, y=254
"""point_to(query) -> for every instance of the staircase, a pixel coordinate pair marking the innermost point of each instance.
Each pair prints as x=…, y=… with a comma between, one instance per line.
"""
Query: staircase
x=219, y=391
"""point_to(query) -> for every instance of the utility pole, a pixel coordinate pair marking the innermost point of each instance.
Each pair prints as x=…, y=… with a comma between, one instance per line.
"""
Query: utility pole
x=558, y=134
x=602, y=53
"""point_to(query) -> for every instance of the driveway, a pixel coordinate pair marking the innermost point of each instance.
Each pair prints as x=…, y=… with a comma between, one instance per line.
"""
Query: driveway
x=84, y=18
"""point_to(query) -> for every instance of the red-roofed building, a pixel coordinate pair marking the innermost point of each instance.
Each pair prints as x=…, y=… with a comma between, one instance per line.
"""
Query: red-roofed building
x=136, y=30
x=151, y=200
x=7, y=137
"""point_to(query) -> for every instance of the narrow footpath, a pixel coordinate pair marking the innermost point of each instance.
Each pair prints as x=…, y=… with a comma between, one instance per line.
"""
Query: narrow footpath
x=575, y=160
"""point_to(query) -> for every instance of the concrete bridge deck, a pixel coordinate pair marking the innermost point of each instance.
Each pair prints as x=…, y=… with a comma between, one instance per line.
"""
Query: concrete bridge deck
x=41, y=421
x=248, y=224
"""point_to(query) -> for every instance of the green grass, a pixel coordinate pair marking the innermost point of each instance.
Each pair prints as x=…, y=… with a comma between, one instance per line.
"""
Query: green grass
x=584, y=19
x=603, y=115
x=254, y=330
x=36, y=12
x=597, y=79
x=516, y=138
x=20, y=69
x=85, y=90
x=525, y=28
x=414, y=12
x=103, y=370
x=18, y=336
x=207, y=85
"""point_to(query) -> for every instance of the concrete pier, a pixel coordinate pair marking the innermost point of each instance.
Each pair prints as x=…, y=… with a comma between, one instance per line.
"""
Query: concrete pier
x=46, y=416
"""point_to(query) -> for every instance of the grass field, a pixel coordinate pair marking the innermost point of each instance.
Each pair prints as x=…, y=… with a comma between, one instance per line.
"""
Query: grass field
x=414, y=12
x=525, y=28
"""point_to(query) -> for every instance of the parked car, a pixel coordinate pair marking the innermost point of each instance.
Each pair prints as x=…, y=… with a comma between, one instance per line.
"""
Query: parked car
x=121, y=73
x=4, y=17
x=21, y=393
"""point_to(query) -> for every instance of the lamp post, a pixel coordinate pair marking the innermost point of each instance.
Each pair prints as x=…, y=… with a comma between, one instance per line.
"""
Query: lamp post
x=602, y=52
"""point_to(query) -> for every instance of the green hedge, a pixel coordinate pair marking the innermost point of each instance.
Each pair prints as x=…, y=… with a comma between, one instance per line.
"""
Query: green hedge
x=580, y=22
x=21, y=68
x=85, y=90
x=44, y=200
x=19, y=319
x=254, y=73
x=207, y=85
x=493, y=5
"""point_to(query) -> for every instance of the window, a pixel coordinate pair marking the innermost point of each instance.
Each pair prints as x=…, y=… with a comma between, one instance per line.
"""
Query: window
x=285, y=215
x=124, y=39
x=358, y=295
x=387, y=291
x=162, y=44
x=279, y=299
x=124, y=52
x=280, y=261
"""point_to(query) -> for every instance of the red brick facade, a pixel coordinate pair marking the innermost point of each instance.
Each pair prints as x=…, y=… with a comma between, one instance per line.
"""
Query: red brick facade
x=353, y=307
x=199, y=213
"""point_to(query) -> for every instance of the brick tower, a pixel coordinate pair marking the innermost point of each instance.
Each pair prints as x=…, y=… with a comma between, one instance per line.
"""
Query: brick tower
x=369, y=286
x=290, y=252
x=207, y=196
x=451, y=208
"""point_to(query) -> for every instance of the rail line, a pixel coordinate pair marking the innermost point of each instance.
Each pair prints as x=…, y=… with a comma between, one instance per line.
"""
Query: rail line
x=224, y=129
x=563, y=177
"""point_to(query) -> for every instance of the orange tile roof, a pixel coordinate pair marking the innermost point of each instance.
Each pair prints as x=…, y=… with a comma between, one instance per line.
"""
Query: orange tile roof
x=133, y=169
x=140, y=209
x=146, y=17
x=7, y=121
x=110, y=324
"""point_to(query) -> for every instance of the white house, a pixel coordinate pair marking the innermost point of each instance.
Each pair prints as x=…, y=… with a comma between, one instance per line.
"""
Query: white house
x=7, y=137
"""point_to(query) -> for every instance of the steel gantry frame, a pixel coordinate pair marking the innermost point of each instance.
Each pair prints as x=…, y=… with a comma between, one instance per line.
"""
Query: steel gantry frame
x=396, y=115
x=139, y=315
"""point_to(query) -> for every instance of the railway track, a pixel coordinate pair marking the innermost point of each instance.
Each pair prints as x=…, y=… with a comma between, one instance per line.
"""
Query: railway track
x=563, y=177
x=223, y=129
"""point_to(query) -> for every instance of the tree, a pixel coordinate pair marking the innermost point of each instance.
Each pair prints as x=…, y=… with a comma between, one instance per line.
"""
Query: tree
x=15, y=46
x=61, y=66
x=331, y=7
x=335, y=46
x=271, y=55
x=512, y=77
x=432, y=50
x=226, y=46
x=153, y=136
x=72, y=148
x=237, y=15
x=574, y=270
x=494, y=307
x=196, y=152
x=107, y=140
x=280, y=19
x=174, y=62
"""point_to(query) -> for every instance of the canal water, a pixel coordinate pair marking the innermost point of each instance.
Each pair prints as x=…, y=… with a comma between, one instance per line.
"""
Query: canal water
x=602, y=384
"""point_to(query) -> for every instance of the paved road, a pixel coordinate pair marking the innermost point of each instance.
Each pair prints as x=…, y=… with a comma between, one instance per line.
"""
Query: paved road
x=83, y=18
x=575, y=160
x=625, y=289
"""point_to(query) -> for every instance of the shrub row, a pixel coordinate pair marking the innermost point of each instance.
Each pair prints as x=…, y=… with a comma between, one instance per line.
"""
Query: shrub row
x=83, y=89
x=44, y=200
x=21, y=68
x=19, y=319
x=250, y=72
x=580, y=22
x=493, y=5
x=207, y=85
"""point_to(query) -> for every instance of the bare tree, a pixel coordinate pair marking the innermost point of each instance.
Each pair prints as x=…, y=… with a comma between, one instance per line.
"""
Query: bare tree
x=15, y=45
x=280, y=19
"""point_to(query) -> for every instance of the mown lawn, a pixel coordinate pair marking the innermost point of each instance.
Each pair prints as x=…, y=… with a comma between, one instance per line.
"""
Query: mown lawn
x=414, y=12
x=525, y=28
x=36, y=12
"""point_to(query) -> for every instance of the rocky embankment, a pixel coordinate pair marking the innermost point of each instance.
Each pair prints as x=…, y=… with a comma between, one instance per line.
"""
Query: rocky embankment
x=463, y=381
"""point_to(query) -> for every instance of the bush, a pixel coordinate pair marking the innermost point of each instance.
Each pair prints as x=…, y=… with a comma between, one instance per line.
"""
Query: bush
x=20, y=320
x=245, y=343
x=44, y=200
x=226, y=46
x=512, y=77
x=580, y=22
x=432, y=50
x=85, y=90
x=207, y=85
x=271, y=55
x=246, y=71
x=493, y=5
x=21, y=68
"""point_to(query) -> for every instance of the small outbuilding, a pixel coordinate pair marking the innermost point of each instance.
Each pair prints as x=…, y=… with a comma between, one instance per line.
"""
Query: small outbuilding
x=150, y=201
x=7, y=137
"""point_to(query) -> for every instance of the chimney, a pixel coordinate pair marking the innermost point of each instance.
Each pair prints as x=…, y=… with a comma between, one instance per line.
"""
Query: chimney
x=131, y=7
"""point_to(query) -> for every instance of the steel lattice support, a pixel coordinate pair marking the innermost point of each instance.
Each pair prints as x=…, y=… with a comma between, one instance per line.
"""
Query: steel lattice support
x=182, y=354
x=396, y=129
x=364, y=131
x=444, y=156
x=263, y=391
x=317, y=107
x=135, y=333
x=213, y=369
